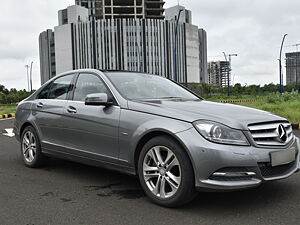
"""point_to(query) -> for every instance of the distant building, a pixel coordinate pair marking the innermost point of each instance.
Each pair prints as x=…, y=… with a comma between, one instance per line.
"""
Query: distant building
x=73, y=14
x=203, y=56
x=113, y=9
x=142, y=45
x=95, y=7
x=173, y=12
x=218, y=73
x=292, y=67
x=47, y=55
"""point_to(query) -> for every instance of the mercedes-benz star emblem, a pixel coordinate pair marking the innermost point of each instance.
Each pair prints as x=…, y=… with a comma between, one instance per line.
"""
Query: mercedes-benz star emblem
x=282, y=135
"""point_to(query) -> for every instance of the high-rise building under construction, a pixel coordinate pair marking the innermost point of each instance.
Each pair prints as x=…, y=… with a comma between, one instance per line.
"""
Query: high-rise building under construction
x=112, y=9
x=219, y=73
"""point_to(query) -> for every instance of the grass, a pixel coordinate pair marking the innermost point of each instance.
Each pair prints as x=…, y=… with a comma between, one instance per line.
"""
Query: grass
x=286, y=105
x=289, y=110
x=6, y=109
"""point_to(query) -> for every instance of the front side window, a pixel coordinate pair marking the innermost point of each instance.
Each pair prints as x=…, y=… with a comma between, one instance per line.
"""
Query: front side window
x=88, y=84
x=60, y=87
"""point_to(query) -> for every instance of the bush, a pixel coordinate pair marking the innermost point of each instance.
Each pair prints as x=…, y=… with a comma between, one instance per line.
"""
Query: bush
x=12, y=96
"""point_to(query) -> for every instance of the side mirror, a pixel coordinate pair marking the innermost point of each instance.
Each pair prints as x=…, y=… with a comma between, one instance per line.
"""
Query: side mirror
x=98, y=99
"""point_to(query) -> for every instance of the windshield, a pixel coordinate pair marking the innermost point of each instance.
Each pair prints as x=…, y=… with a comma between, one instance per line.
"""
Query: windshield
x=145, y=86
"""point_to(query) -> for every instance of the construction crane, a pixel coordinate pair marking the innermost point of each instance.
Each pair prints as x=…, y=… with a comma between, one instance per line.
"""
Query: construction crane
x=220, y=56
x=295, y=45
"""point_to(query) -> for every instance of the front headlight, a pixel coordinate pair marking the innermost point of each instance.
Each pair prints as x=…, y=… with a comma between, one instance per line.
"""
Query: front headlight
x=220, y=133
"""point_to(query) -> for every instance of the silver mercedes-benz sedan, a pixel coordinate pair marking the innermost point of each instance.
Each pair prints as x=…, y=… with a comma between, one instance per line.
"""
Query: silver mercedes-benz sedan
x=146, y=125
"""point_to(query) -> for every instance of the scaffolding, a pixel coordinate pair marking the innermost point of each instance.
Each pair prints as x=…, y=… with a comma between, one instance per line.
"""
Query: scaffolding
x=218, y=73
x=114, y=9
x=292, y=67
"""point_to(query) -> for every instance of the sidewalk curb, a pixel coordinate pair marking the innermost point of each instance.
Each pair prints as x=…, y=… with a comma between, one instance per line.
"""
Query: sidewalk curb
x=5, y=116
x=296, y=126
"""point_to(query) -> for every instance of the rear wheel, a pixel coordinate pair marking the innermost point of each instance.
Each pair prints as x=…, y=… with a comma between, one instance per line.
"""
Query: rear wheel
x=166, y=173
x=31, y=148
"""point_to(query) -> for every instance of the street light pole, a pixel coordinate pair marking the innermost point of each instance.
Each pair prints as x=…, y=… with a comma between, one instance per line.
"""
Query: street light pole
x=175, y=45
x=280, y=66
x=28, y=85
x=31, y=77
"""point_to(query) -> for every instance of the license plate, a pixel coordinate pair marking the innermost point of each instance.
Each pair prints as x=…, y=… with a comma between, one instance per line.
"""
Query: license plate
x=283, y=157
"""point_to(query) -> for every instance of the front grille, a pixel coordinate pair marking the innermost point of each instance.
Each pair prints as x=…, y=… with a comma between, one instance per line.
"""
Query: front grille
x=267, y=170
x=267, y=134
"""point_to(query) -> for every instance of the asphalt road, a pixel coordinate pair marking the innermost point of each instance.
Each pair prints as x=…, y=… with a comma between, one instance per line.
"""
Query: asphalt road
x=69, y=193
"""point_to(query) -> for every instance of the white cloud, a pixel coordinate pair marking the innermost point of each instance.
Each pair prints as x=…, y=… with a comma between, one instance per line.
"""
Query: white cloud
x=20, y=25
x=251, y=28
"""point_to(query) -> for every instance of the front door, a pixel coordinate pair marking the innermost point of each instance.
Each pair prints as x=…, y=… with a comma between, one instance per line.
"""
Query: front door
x=91, y=131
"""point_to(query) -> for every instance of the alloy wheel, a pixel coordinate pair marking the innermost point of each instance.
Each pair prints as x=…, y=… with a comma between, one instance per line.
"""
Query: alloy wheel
x=29, y=146
x=162, y=172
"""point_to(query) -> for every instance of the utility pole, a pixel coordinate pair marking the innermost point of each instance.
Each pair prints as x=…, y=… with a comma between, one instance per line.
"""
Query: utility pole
x=280, y=66
x=175, y=44
x=28, y=83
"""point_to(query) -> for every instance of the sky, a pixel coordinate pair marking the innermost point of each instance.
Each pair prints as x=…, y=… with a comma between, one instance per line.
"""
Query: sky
x=253, y=29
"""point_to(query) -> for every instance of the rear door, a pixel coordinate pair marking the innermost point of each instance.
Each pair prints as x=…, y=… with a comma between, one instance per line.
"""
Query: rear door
x=48, y=111
x=91, y=131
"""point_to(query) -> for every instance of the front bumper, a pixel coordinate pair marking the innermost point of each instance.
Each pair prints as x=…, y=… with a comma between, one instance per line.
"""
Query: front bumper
x=226, y=167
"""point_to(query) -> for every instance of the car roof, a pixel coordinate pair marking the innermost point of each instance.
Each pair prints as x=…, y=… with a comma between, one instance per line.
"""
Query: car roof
x=122, y=71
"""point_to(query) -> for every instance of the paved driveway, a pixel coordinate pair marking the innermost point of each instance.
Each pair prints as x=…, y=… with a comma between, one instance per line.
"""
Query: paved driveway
x=70, y=193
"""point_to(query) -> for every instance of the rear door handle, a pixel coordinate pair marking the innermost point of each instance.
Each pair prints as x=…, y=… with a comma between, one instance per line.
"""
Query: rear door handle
x=40, y=105
x=71, y=109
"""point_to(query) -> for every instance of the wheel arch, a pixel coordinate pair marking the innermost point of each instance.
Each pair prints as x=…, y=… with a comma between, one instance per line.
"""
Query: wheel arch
x=24, y=125
x=155, y=133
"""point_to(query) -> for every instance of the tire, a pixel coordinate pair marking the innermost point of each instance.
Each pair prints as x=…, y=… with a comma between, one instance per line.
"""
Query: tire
x=31, y=148
x=168, y=180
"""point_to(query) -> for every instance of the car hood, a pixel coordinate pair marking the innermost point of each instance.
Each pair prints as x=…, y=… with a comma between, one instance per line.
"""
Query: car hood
x=234, y=116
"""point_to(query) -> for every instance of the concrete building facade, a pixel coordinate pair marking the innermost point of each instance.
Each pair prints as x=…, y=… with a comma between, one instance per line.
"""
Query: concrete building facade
x=113, y=9
x=203, y=67
x=173, y=12
x=218, y=73
x=142, y=45
x=47, y=55
x=72, y=14
x=292, y=67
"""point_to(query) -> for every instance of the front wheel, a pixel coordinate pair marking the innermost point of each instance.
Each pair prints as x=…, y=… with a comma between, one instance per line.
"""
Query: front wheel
x=166, y=173
x=31, y=149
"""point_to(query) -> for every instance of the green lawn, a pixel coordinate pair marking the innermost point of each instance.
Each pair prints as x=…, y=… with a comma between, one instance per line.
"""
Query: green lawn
x=5, y=109
x=289, y=110
x=286, y=105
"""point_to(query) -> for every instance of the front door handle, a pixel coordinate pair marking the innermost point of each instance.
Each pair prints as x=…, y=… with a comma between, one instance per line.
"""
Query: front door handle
x=71, y=109
x=40, y=105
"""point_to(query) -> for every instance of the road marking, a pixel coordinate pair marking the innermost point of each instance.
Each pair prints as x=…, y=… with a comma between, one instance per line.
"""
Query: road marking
x=9, y=132
x=6, y=119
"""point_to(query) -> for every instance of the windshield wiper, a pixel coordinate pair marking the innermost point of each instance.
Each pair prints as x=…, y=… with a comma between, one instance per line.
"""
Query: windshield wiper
x=170, y=98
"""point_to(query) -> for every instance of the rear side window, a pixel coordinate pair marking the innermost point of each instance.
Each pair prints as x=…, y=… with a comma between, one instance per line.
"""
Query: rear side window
x=44, y=93
x=61, y=87
x=57, y=89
